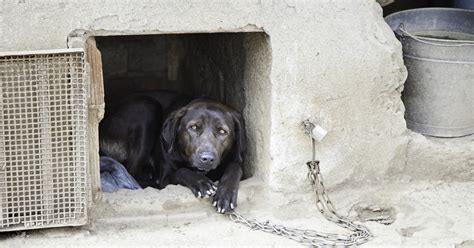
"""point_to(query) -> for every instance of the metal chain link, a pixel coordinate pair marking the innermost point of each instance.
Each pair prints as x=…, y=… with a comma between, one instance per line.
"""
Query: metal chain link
x=360, y=234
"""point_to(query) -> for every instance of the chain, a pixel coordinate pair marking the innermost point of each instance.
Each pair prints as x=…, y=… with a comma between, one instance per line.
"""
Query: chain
x=360, y=234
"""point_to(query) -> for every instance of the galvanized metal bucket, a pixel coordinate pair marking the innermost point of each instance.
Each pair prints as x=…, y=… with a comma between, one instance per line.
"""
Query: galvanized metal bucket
x=438, y=50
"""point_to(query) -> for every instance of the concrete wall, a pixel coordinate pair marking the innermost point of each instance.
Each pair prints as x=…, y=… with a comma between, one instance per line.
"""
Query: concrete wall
x=335, y=62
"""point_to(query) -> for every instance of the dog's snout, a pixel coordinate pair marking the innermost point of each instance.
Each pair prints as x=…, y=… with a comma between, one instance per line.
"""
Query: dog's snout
x=207, y=158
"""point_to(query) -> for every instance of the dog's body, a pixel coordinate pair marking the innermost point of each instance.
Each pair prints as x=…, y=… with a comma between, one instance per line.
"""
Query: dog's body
x=163, y=138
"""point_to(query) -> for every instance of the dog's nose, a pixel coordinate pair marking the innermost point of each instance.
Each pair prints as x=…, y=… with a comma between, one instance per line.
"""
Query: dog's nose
x=207, y=158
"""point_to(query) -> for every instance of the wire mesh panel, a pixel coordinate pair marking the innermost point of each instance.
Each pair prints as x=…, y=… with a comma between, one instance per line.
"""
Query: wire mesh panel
x=43, y=121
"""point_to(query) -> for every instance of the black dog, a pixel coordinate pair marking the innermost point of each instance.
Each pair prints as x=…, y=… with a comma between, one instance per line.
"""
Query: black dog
x=201, y=141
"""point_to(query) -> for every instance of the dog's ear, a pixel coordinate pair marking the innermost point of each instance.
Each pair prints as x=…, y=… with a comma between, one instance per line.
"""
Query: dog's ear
x=240, y=137
x=169, y=132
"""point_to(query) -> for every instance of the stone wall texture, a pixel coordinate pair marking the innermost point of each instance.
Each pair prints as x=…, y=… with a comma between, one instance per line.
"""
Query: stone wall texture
x=334, y=62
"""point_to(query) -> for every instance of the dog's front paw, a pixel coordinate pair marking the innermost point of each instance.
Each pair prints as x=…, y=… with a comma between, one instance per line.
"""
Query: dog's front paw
x=203, y=187
x=225, y=198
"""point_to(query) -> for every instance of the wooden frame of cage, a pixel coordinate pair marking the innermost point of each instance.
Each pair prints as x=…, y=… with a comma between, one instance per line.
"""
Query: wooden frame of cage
x=51, y=102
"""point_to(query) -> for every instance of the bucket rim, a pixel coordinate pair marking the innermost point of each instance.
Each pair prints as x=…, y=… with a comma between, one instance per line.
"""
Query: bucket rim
x=399, y=28
x=432, y=41
x=428, y=9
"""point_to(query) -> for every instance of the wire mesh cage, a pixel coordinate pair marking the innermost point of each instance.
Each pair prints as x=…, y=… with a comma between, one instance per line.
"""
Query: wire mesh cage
x=43, y=140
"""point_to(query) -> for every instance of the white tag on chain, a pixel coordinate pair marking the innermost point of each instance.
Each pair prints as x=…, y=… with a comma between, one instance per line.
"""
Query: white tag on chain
x=318, y=133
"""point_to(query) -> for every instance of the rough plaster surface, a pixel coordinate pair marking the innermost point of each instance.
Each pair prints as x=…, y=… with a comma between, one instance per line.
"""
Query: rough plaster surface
x=429, y=158
x=173, y=217
x=335, y=62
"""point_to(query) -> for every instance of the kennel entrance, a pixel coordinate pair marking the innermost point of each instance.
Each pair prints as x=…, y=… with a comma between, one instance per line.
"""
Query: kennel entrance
x=51, y=103
x=233, y=68
x=44, y=156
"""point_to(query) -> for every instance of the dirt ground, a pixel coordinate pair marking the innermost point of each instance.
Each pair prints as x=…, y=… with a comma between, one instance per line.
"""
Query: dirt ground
x=429, y=199
x=426, y=214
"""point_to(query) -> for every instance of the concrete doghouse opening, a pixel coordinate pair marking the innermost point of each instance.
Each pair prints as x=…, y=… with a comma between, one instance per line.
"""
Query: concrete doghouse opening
x=231, y=67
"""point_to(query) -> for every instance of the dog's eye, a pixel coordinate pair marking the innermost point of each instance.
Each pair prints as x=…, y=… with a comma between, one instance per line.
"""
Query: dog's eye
x=222, y=131
x=193, y=127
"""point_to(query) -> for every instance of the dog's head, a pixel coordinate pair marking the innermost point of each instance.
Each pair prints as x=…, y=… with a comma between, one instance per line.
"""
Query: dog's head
x=204, y=133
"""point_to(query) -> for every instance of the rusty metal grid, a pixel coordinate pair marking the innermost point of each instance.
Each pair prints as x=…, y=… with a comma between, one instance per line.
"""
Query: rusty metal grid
x=43, y=156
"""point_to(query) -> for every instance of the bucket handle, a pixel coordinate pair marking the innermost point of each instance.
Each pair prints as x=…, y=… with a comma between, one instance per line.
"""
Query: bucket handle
x=404, y=33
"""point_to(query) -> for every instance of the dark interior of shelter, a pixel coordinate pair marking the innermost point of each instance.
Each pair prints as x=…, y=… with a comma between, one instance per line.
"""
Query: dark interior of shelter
x=214, y=65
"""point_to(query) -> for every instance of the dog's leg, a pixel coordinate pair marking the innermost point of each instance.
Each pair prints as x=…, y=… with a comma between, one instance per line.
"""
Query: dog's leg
x=200, y=185
x=227, y=191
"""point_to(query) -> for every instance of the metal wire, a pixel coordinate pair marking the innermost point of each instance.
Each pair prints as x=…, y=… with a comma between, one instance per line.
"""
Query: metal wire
x=402, y=29
x=360, y=234
x=43, y=121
